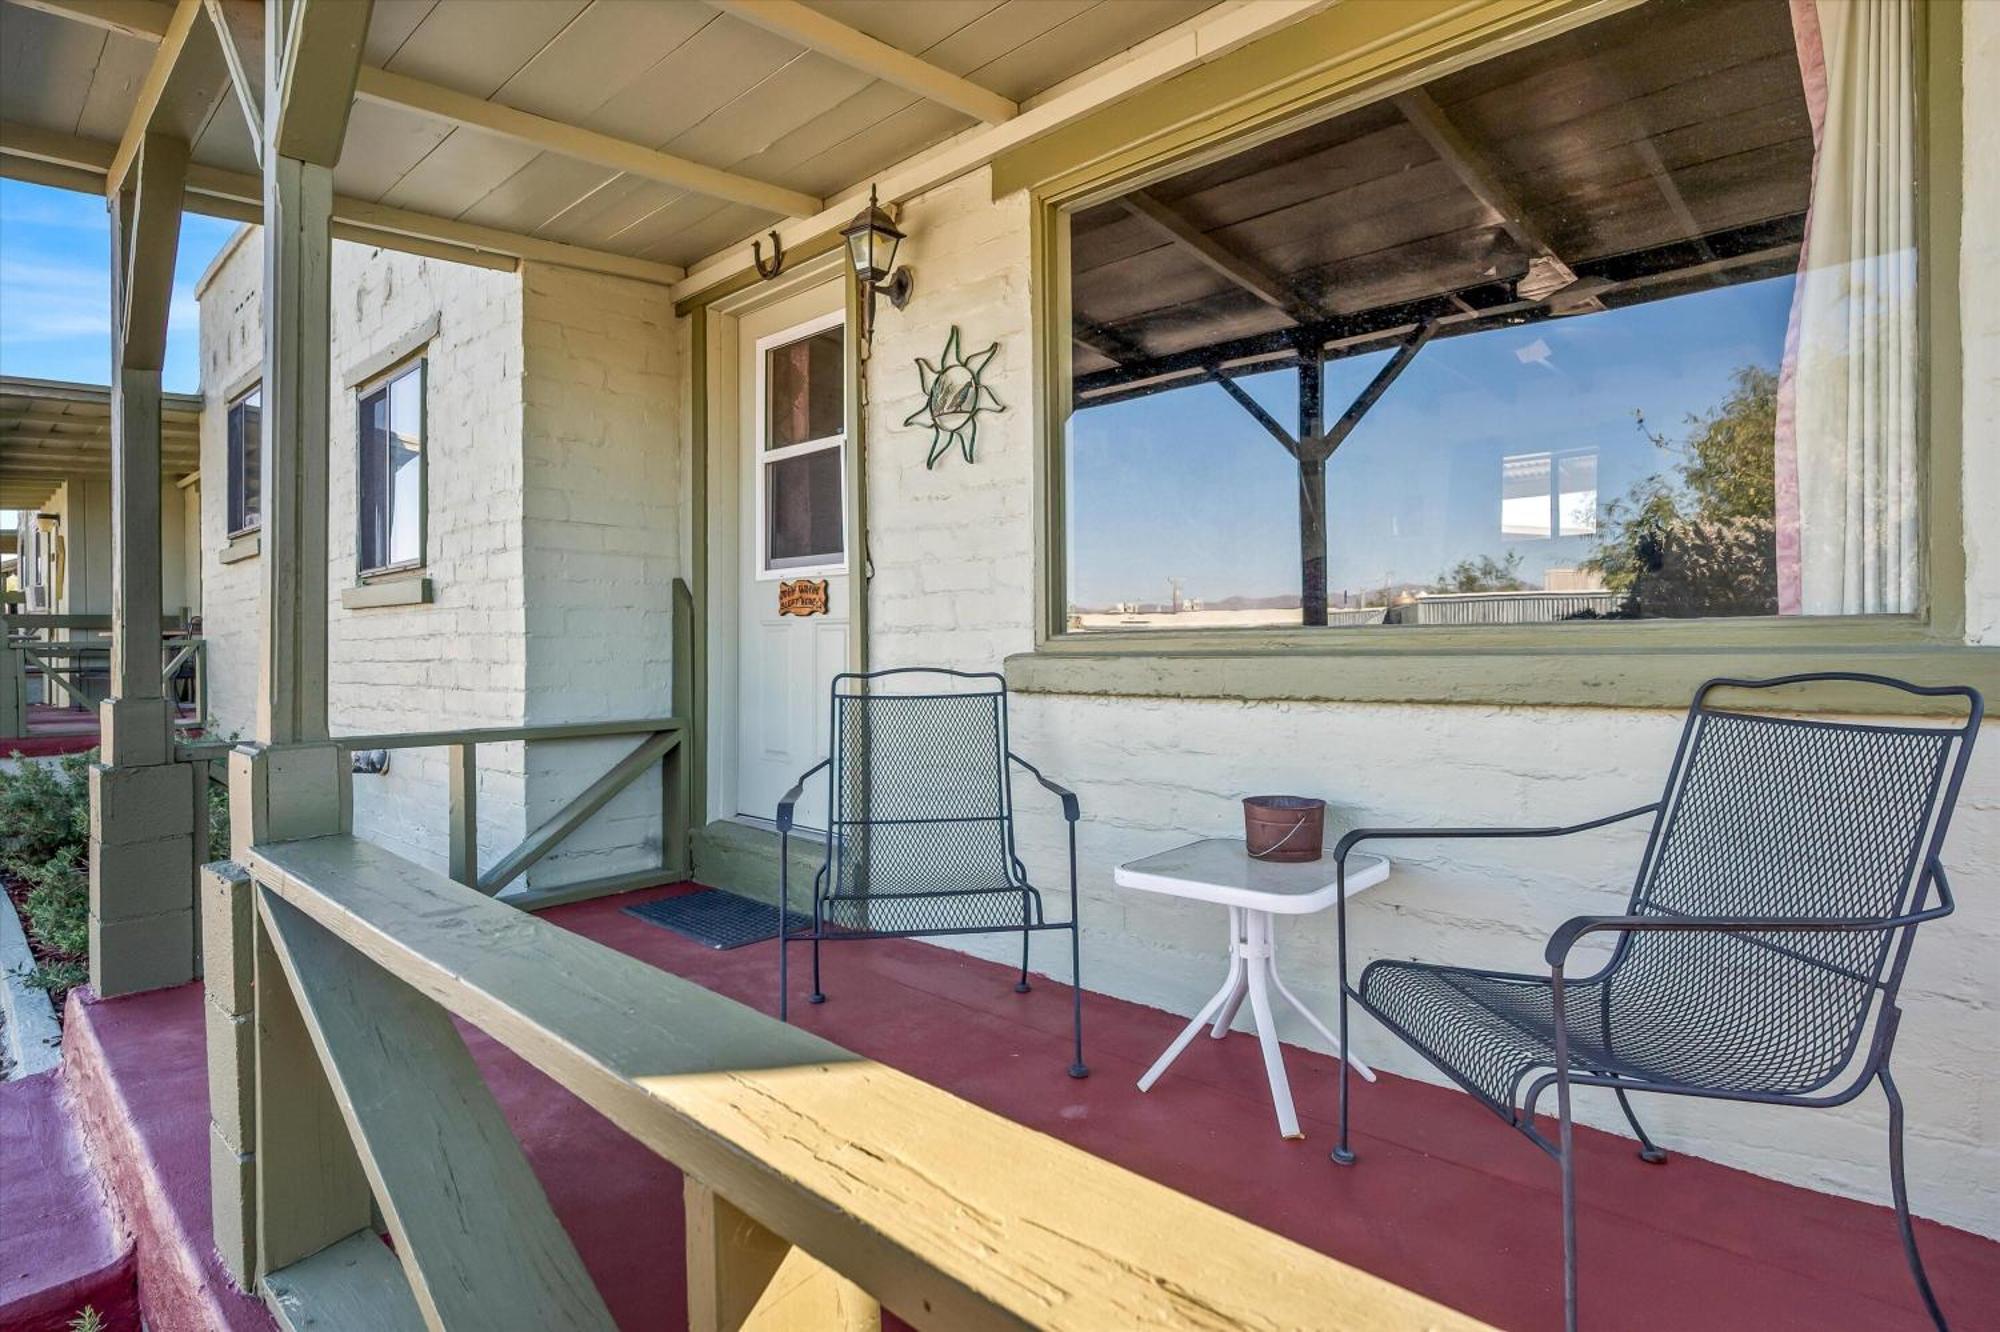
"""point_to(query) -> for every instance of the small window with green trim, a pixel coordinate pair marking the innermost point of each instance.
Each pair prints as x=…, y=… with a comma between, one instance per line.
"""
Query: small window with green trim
x=1621, y=324
x=246, y=462
x=389, y=472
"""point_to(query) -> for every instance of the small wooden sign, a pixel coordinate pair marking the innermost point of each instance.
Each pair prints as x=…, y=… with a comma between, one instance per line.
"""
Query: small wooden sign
x=802, y=596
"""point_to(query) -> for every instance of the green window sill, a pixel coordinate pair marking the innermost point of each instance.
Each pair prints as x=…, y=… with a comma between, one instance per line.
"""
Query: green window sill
x=1654, y=665
x=244, y=546
x=404, y=591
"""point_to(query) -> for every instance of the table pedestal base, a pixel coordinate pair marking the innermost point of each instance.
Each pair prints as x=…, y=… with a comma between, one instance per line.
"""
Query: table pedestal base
x=1253, y=972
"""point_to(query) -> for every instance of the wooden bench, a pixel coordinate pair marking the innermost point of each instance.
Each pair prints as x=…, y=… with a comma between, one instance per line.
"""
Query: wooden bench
x=819, y=1183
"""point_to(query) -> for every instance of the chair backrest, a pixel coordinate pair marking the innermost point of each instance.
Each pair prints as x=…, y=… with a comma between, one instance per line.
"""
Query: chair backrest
x=1776, y=815
x=920, y=799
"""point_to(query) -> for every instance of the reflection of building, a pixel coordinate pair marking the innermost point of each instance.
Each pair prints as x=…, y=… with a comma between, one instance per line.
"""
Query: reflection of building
x=1548, y=494
x=1506, y=607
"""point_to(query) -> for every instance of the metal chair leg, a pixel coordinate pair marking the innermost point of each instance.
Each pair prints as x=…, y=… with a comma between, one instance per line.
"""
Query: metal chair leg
x=1342, y=1153
x=1566, y=1161
x=1079, y=1069
x=1897, y=1184
x=1649, y=1151
x=1021, y=985
x=818, y=996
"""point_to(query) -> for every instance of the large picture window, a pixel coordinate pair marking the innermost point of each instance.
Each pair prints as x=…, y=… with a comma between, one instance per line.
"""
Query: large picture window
x=390, y=473
x=246, y=462
x=1618, y=325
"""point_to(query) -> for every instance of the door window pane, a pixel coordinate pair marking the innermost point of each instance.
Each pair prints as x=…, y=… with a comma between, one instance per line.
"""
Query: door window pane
x=805, y=390
x=803, y=522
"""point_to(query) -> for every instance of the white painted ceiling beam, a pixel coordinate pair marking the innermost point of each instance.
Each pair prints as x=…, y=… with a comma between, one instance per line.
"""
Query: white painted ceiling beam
x=152, y=20
x=180, y=89
x=1200, y=40
x=554, y=136
x=66, y=161
x=857, y=50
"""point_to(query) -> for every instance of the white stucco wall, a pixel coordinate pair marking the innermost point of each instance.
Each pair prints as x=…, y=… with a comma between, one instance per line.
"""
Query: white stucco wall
x=953, y=556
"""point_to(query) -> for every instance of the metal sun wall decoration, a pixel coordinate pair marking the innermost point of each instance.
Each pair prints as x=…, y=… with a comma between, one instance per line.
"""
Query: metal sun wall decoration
x=953, y=398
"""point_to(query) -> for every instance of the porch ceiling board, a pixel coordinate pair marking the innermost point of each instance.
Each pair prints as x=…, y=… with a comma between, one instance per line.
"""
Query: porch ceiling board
x=51, y=431
x=549, y=124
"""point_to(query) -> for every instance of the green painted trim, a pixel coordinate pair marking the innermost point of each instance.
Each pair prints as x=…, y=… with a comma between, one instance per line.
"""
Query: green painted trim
x=745, y=278
x=243, y=546
x=1940, y=332
x=860, y=568
x=1624, y=664
x=695, y=751
x=380, y=592
x=1341, y=57
x=1608, y=678
x=743, y=858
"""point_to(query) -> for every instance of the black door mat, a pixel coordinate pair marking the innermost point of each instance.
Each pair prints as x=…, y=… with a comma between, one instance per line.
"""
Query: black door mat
x=718, y=919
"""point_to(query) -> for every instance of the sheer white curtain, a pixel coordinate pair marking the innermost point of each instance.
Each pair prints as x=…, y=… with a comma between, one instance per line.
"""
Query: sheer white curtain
x=1847, y=417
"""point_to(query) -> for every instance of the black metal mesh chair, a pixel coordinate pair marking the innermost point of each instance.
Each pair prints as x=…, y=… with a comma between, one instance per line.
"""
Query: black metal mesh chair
x=920, y=829
x=1789, y=864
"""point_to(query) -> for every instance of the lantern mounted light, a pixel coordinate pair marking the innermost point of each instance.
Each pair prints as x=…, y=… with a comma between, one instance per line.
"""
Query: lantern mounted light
x=871, y=240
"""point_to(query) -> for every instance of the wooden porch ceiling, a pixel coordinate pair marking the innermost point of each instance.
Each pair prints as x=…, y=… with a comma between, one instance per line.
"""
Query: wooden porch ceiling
x=632, y=138
x=51, y=432
x=1620, y=162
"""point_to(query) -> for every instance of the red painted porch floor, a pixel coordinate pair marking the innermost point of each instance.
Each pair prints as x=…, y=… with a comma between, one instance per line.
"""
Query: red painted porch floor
x=1444, y=1200
x=52, y=729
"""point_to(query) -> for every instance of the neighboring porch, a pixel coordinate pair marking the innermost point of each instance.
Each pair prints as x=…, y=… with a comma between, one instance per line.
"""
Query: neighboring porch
x=1443, y=1202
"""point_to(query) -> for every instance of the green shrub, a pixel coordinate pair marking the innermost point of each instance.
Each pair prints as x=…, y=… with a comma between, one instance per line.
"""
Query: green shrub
x=44, y=807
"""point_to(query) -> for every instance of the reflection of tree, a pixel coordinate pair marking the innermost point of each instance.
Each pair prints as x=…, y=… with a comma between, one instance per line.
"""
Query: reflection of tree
x=1483, y=574
x=1701, y=539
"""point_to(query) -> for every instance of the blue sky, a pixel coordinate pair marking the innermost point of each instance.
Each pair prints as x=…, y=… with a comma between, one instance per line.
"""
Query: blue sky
x=1185, y=485
x=55, y=287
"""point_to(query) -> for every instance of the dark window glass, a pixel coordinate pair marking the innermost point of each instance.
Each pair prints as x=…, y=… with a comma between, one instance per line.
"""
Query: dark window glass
x=804, y=390
x=390, y=472
x=246, y=461
x=804, y=520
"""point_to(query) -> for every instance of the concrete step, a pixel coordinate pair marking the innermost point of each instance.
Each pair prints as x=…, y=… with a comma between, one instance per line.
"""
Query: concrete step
x=61, y=1248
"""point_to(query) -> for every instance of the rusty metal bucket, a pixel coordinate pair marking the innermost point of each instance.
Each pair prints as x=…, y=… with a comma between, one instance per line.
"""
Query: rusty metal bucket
x=1281, y=827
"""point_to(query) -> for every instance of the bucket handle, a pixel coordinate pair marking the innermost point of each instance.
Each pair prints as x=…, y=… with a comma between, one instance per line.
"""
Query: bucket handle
x=1279, y=845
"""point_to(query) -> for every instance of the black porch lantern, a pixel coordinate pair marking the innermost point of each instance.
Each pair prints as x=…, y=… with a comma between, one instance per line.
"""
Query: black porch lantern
x=871, y=240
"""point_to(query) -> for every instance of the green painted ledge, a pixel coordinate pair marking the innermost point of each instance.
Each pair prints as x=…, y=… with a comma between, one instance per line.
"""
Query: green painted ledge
x=1627, y=677
x=744, y=859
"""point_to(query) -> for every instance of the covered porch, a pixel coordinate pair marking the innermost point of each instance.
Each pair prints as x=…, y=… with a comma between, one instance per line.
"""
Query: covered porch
x=558, y=1114
x=1446, y=1207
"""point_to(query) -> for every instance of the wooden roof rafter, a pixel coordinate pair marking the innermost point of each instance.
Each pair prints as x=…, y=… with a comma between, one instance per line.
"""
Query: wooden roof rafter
x=1243, y=269
x=1759, y=249
x=1548, y=272
x=857, y=50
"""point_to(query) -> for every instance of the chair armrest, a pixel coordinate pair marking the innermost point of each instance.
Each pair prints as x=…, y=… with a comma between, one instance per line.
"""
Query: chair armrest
x=1071, y=809
x=1574, y=929
x=789, y=801
x=1360, y=835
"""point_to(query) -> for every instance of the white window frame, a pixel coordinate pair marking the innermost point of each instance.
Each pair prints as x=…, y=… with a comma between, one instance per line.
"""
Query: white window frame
x=760, y=481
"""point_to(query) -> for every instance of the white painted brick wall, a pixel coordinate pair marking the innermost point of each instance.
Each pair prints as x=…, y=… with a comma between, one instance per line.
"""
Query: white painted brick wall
x=552, y=544
x=602, y=536
x=953, y=558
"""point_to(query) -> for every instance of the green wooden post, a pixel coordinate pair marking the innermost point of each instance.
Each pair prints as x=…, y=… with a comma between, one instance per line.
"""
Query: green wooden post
x=677, y=784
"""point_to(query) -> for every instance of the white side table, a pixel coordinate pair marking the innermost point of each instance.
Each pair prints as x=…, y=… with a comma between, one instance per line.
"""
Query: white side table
x=1220, y=869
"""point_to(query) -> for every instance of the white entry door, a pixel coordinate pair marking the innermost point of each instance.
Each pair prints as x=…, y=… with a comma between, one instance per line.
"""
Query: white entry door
x=792, y=528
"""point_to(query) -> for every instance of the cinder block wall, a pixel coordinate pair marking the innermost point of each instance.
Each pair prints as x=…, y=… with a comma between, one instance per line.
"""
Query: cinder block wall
x=953, y=557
